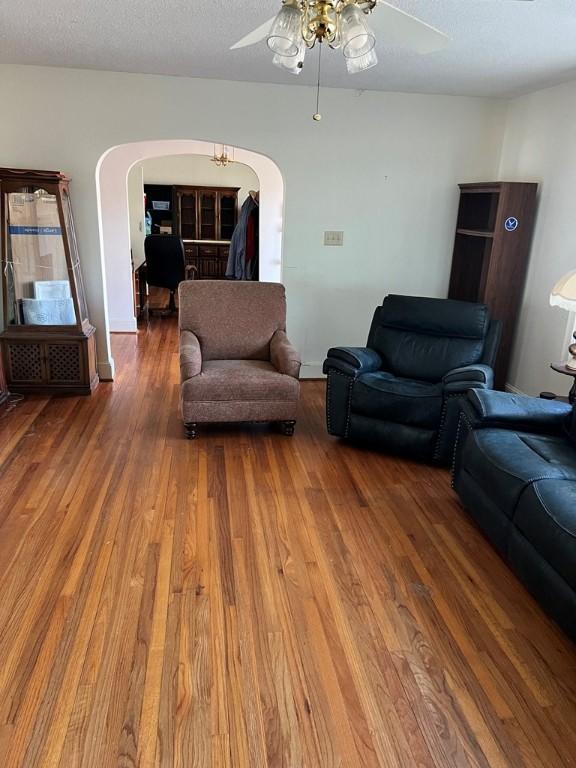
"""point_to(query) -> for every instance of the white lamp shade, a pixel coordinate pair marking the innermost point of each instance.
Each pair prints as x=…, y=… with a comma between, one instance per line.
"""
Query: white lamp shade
x=564, y=293
x=357, y=37
x=286, y=33
x=292, y=64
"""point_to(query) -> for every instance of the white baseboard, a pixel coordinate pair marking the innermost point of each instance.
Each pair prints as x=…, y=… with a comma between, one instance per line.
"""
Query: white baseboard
x=127, y=325
x=513, y=390
x=106, y=370
x=311, y=371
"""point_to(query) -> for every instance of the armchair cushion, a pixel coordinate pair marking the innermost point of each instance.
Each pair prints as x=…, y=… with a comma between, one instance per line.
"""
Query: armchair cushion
x=423, y=338
x=238, y=380
x=469, y=377
x=518, y=412
x=190, y=355
x=233, y=320
x=357, y=360
x=384, y=396
x=283, y=356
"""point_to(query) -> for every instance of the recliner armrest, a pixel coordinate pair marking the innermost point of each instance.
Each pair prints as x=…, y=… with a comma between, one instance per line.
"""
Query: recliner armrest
x=352, y=360
x=190, y=355
x=519, y=412
x=468, y=377
x=284, y=356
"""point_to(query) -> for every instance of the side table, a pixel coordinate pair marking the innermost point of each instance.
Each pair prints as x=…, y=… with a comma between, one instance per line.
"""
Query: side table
x=562, y=368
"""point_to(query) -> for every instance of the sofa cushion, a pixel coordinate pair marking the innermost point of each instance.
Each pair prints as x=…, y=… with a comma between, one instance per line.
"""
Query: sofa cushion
x=240, y=380
x=546, y=516
x=403, y=401
x=506, y=462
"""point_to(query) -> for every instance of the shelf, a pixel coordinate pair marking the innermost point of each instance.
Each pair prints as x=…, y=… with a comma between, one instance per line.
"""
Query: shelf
x=474, y=232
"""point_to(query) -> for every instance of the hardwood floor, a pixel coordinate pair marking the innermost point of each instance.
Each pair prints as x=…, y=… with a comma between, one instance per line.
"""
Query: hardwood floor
x=253, y=600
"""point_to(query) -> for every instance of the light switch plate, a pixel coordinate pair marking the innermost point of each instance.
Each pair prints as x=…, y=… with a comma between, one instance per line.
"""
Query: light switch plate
x=333, y=238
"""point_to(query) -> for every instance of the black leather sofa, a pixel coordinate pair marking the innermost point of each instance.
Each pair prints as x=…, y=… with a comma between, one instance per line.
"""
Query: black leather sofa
x=401, y=392
x=515, y=471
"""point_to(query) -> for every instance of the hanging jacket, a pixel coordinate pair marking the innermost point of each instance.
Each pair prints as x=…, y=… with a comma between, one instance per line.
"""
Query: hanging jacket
x=236, y=267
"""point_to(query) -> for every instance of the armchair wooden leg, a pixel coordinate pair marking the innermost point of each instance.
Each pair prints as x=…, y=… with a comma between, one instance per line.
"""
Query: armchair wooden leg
x=191, y=430
x=288, y=427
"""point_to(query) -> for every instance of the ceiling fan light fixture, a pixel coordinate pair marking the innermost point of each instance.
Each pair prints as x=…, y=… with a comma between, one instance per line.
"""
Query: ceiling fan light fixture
x=362, y=63
x=292, y=64
x=286, y=34
x=358, y=40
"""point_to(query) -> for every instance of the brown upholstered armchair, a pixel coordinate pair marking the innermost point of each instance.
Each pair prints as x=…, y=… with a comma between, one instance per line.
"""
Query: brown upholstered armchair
x=236, y=363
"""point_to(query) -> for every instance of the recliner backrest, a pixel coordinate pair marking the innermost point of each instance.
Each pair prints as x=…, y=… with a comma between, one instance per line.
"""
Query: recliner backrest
x=424, y=338
x=164, y=261
x=233, y=320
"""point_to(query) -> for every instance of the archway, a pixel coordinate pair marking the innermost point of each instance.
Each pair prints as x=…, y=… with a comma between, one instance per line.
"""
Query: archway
x=113, y=215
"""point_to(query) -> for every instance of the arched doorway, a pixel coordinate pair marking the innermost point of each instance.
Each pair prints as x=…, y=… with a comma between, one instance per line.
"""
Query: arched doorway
x=114, y=225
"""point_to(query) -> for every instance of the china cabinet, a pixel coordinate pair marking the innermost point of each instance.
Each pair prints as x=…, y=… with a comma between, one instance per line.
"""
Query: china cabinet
x=48, y=343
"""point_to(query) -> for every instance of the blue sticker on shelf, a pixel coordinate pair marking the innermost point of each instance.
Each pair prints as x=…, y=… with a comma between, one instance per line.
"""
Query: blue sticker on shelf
x=511, y=224
x=18, y=230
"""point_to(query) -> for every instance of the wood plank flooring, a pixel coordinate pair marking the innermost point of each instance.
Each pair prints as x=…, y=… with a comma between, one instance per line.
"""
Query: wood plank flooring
x=252, y=600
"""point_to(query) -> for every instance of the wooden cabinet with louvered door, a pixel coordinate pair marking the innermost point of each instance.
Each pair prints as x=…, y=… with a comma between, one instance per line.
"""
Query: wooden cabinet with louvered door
x=55, y=365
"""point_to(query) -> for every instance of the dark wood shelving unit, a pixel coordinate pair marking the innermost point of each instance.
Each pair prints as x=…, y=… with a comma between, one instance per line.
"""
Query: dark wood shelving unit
x=491, y=252
x=204, y=217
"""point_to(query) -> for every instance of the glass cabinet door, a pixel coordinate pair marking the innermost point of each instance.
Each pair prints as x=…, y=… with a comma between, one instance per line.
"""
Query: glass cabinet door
x=38, y=290
x=208, y=216
x=228, y=202
x=187, y=212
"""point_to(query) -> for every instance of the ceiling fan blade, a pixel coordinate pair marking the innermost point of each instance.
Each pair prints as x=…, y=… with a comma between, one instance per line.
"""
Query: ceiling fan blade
x=255, y=36
x=400, y=28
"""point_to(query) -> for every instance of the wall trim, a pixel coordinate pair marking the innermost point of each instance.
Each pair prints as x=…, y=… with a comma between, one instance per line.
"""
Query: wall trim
x=123, y=326
x=513, y=390
x=311, y=371
x=106, y=370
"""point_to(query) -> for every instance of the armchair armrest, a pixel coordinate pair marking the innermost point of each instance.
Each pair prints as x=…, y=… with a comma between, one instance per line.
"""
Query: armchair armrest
x=190, y=355
x=519, y=412
x=283, y=355
x=468, y=377
x=352, y=360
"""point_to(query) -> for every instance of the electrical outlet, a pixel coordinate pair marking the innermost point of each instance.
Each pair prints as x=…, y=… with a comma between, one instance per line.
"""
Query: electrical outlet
x=333, y=238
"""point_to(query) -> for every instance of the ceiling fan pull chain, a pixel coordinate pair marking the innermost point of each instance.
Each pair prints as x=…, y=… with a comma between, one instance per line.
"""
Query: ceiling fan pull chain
x=318, y=116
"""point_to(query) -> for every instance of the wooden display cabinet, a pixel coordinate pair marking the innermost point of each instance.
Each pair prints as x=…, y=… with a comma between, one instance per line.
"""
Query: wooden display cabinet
x=205, y=219
x=48, y=344
x=491, y=252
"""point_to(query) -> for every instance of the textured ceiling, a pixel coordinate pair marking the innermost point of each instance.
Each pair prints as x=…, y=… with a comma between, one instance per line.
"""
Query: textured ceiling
x=497, y=47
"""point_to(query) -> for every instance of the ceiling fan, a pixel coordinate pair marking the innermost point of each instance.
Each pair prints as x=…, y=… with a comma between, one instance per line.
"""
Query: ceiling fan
x=300, y=24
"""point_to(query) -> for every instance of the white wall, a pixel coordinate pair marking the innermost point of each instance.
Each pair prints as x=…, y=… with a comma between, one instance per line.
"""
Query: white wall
x=113, y=169
x=383, y=167
x=136, y=207
x=196, y=170
x=540, y=145
x=201, y=171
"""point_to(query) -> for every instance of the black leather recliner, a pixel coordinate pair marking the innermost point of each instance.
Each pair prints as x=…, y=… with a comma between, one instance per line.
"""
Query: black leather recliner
x=515, y=471
x=401, y=391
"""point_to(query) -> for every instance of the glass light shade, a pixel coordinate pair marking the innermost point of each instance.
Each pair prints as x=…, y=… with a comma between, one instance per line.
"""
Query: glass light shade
x=362, y=63
x=286, y=33
x=357, y=37
x=292, y=64
x=564, y=292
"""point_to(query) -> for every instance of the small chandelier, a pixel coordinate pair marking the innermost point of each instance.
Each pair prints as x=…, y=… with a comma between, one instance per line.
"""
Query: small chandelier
x=224, y=158
x=300, y=24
